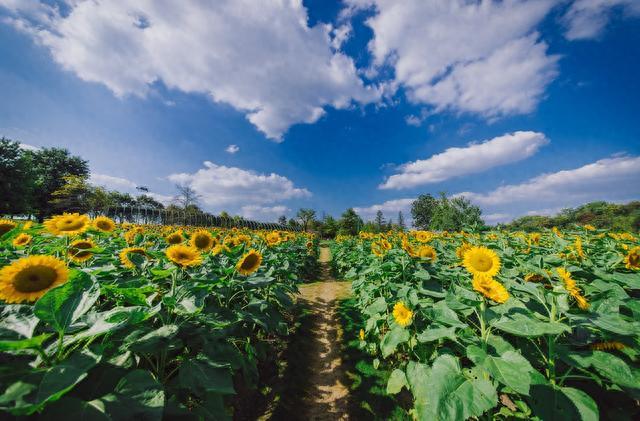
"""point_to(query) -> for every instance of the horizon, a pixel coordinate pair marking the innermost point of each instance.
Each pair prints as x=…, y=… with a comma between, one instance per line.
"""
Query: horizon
x=525, y=108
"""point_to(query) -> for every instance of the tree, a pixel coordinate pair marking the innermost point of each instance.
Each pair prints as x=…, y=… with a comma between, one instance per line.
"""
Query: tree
x=49, y=167
x=350, y=222
x=149, y=202
x=329, y=227
x=75, y=195
x=422, y=211
x=282, y=220
x=380, y=223
x=16, y=183
x=401, y=224
x=306, y=217
x=455, y=214
x=186, y=196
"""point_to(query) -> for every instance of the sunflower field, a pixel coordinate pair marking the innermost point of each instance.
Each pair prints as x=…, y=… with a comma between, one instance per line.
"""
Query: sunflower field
x=107, y=321
x=500, y=325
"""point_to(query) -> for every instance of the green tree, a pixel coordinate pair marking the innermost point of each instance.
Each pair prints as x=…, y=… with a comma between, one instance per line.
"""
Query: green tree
x=147, y=201
x=16, y=182
x=350, y=222
x=329, y=227
x=380, y=222
x=75, y=195
x=282, y=220
x=422, y=210
x=306, y=217
x=49, y=167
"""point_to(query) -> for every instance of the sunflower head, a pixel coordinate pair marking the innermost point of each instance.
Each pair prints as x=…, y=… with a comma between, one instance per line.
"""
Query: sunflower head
x=361, y=335
x=202, y=240
x=79, y=250
x=174, y=237
x=183, y=255
x=219, y=248
x=130, y=236
x=6, y=225
x=249, y=262
x=125, y=256
x=31, y=277
x=481, y=260
x=67, y=224
x=27, y=225
x=423, y=236
x=490, y=288
x=427, y=252
x=104, y=224
x=632, y=259
x=21, y=240
x=401, y=314
x=273, y=238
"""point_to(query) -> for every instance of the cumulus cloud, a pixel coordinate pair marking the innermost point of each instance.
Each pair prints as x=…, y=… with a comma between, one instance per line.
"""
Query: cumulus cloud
x=264, y=213
x=220, y=186
x=232, y=149
x=390, y=208
x=124, y=185
x=587, y=18
x=479, y=57
x=474, y=158
x=27, y=147
x=611, y=179
x=262, y=58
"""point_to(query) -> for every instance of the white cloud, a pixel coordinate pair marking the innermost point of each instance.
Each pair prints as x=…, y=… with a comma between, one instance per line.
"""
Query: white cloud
x=494, y=218
x=124, y=185
x=607, y=179
x=587, y=18
x=264, y=213
x=221, y=186
x=262, y=58
x=480, y=57
x=390, y=209
x=232, y=149
x=474, y=158
x=27, y=147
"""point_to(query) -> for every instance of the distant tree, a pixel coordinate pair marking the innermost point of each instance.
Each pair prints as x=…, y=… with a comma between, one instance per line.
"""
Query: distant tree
x=293, y=223
x=329, y=227
x=380, y=222
x=224, y=215
x=75, y=195
x=186, y=196
x=49, y=167
x=422, y=210
x=282, y=220
x=390, y=225
x=455, y=214
x=16, y=182
x=401, y=224
x=306, y=217
x=350, y=222
x=147, y=201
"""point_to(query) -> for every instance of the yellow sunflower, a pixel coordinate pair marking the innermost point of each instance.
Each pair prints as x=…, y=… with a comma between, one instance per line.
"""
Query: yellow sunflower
x=219, y=249
x=481, y=260
x=124, y=256
x=273, y=238
x=534, y=277
x=67, y=224
x=361, y=334
x=460, y=251
x=490, y=288
x=202, y=240
x=21, y=240
x=27, y=225
x=427, y=252
x=401, y=314
x=632, y=259
x=174, y=237
x=572, y=288
x=104, y=224
x=31, y=277
x=534, y=238
x=423, y=236
x=183, y=255
x=6, y=226
x=130, y=236
x=79, y=250
x=249, y=262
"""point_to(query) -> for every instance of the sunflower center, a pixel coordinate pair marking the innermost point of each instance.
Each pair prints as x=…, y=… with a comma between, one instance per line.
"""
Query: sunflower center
x=202, y=241
x=70, y=224
x=34, y=279
x=250, y=261
x=482, y=263
x=4, y=228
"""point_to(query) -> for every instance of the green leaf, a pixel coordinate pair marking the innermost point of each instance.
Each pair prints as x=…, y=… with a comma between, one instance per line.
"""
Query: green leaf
x=16, y=394
x=587, y=408
x=522, y=325
x=434, y=333
x=153, y=341
x=453, y=396
x=555, y=403
x=74, y=409
x=418, y=379
x=615, y=369
x=396, y=382
x=63, y=305
x=138, y=396
x=35, y=342
x=18, y=318
x=201, y=376
x=614, y=323
x=510, y=369
x=392, y=339
x=378, y=306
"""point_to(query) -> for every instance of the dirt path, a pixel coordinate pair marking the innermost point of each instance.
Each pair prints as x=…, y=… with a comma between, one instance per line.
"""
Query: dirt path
x=326, y=397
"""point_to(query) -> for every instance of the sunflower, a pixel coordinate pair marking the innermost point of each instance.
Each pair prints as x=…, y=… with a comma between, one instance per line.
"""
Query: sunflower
x=534, y=238
x=361, y=335
x=6, y=226
x=27, y=225
x=174, y=238
x=29, y=278
x=21, y=240
x=423, y=236
x=273, y=238
x=249, y=262
x=202, y=240
x=577, y=245
x=460, y=251
x=572, y=289
x=481, y=260
x=124, y=256
x=534, y=277
x=379, y=248
x=104, y=224
x=632, y=259
x=490, y=288
x=183, y=255
x=401, y=314
x=67, y=224
x=427, y=252
x=219, y=248
x=589, y=227
x=79, y=250
x=244, y=238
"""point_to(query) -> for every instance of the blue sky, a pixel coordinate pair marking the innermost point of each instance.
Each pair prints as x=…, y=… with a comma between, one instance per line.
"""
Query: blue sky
x=524, y=107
